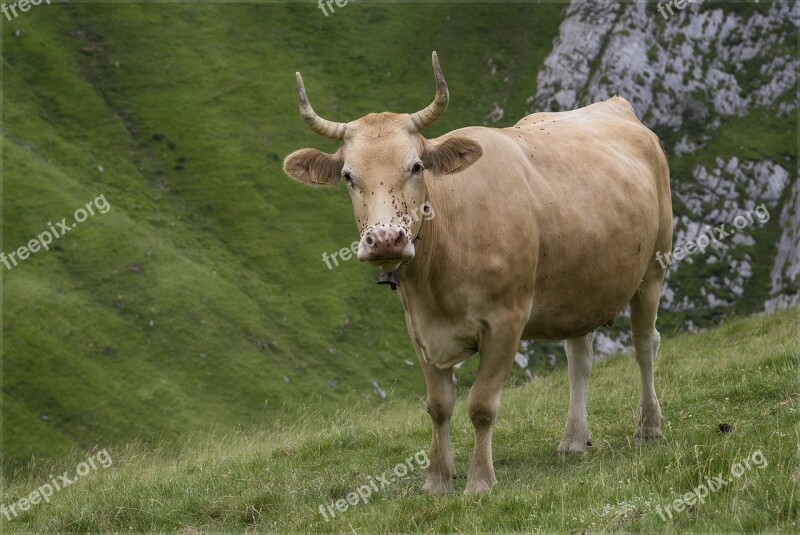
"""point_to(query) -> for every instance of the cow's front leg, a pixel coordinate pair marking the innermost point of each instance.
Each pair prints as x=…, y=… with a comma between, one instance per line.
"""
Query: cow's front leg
x=579, y=359
x=441, y=399
x=497, y=352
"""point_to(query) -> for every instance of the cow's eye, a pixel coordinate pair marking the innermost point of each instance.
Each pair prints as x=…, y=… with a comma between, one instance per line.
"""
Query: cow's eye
x=348, y=178
x=416, y=168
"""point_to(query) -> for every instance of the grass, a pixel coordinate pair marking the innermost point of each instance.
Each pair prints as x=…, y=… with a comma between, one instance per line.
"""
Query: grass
x=201, y=298
x=743, y=373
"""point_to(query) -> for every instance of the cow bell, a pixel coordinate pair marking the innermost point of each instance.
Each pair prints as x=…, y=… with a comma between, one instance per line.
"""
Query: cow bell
x=389, y=278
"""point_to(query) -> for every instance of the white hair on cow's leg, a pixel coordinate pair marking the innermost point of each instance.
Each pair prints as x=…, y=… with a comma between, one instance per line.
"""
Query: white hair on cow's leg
x=579, y=359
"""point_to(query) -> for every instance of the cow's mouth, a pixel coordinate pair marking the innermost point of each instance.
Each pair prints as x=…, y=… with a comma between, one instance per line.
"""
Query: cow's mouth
x=386, y=263
x=386, y=248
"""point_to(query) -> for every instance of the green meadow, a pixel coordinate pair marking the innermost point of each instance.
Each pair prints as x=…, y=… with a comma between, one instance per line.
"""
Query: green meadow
x=194, y=333
x=728, y=395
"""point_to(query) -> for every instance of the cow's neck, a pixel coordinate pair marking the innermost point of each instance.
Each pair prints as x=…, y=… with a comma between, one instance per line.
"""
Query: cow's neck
x=429, y=245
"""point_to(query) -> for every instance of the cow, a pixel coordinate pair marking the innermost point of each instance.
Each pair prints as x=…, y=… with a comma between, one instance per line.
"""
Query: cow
x=543, y=230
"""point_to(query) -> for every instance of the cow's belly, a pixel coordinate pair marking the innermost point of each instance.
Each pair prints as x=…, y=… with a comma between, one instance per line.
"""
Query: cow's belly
x=576, y=293
x=556, y=319
x=592, y=254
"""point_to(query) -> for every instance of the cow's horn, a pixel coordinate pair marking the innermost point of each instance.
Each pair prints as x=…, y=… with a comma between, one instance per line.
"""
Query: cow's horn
x=436, y=109
x=319, y=125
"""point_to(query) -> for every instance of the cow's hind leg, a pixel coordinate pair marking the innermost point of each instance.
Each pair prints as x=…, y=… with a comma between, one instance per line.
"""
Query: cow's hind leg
x=441, y=400
x=579, y=359
x=646, y=340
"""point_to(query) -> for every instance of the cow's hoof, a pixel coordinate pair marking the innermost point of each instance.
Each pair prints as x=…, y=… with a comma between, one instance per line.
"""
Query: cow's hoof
x=479, y=485
x=646, y=434
x=435, y=486
x=571, y=446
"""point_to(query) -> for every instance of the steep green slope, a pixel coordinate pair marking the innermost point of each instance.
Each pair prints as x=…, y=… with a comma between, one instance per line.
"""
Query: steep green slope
x=742, y=374
x=201, y=292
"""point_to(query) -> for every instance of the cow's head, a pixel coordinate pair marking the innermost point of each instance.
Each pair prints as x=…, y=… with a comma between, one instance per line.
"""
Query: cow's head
x=384, y=162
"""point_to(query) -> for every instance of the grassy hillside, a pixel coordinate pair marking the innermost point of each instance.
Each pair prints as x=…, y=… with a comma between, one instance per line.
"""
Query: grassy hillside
x=743, y=374
x=200, y=299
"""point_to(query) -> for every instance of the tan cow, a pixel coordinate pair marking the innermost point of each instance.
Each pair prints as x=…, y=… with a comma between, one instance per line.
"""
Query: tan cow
x=543, y=230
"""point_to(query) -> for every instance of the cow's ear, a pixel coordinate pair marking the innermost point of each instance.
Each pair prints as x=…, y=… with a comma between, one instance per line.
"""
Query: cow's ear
x=314, y=167
x=452, y=155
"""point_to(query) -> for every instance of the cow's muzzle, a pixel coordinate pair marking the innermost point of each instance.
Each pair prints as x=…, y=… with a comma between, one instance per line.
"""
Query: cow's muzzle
x=386, y=247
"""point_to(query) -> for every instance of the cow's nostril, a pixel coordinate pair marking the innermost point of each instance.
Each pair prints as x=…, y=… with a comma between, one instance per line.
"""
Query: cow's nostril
x=401, y=237
x=370, y=240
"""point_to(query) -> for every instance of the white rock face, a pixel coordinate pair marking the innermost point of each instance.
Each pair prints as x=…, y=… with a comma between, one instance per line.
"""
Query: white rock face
x=605, y=345
x=377, y=390
x=495, y=115
x=670, y=71
x=787, y=262
x=701, y=65
x=738, y=199
x=567, y=69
